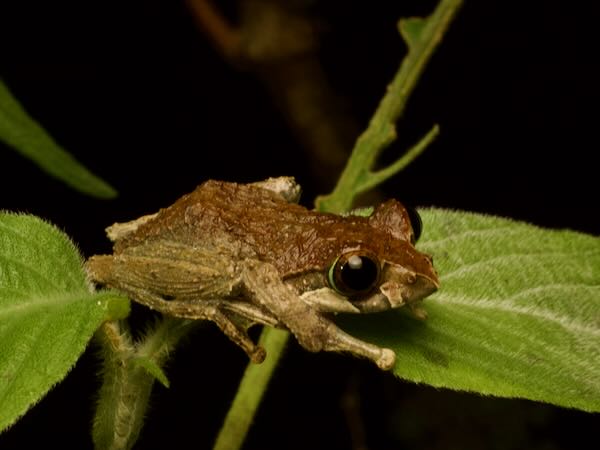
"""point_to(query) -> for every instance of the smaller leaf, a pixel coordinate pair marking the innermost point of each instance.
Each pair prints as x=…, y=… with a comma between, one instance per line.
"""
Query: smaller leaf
x=411, y=29
x=152, y=368
x=48, y=313
x=25, y=135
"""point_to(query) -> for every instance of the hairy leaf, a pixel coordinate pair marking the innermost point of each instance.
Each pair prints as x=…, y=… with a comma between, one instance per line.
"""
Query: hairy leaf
x=26, y=136
x=152, y=368
x=518, y=313
x=47, y=311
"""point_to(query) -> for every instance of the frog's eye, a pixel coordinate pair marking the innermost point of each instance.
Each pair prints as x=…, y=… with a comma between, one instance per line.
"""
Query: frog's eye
x=415, y=222
x=354, y=273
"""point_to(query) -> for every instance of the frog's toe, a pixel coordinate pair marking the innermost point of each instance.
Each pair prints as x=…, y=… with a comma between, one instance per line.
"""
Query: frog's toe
x=387, y=360
x=258, y=355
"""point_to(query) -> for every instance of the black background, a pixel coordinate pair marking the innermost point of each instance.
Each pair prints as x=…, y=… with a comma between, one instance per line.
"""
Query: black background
x=141, y=98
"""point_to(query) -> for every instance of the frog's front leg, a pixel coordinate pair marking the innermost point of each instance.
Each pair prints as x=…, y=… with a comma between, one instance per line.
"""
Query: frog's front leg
x=313, y=331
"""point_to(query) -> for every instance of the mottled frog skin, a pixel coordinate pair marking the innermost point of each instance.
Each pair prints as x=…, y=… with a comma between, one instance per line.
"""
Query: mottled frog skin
x=245, y=254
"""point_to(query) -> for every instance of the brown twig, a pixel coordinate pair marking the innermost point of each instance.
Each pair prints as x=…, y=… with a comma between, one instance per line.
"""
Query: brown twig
x=224, y=37
x=279, y=46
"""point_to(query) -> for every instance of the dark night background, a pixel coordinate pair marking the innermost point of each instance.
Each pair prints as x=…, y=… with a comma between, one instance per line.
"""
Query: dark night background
x=142, y=99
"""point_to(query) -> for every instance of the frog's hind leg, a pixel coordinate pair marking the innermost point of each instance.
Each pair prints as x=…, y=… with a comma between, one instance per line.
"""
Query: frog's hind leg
x=313, y=331
x=339, y=341
x=101, y=270
x=211, y=310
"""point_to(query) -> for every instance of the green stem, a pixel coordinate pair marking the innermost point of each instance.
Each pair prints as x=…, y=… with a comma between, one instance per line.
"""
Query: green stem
x=127, y=381
x=376, y=178
x=250, y=392
x=422, y=35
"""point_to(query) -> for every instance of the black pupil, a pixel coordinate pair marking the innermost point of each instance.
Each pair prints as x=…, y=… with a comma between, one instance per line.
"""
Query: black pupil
x=415, y=221
x=359, y=277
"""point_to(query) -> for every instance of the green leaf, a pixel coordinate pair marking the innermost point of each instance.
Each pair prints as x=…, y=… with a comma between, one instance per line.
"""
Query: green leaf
x=517, y=315
x=25, y=135
x=151, y=368
x=48, y=313
x=412, y=29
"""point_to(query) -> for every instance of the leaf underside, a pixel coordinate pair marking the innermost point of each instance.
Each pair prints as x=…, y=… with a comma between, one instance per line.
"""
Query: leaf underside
x=518, y=313
x=47, y=312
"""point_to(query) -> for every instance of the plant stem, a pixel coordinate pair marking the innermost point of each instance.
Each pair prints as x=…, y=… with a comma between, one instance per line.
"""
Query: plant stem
x=250, y=392
x=115, y=411
x=422, y=36
x=126, y=386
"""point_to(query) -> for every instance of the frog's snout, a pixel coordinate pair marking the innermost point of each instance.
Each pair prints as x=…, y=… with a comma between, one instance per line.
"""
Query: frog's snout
x=421, y=288
x=409, y=287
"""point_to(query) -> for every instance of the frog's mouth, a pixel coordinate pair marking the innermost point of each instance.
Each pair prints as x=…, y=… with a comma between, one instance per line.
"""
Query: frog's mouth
x=403, y=286
x=393, y=293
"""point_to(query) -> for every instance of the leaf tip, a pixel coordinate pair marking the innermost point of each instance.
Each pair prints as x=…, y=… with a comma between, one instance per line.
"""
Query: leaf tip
x=410, y=29
x=152, y=368
x=91, y=185
x=106, y=191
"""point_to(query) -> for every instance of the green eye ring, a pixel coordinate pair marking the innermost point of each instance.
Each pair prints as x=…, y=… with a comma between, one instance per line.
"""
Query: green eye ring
x=354, y=273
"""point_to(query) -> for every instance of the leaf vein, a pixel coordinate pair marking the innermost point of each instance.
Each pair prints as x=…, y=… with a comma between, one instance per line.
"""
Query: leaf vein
x=40, y=301
x=569, y=324
x=468, y=234
x=466, y=268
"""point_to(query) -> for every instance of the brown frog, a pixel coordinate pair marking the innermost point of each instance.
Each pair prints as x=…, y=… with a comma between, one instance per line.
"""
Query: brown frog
x=245, y=254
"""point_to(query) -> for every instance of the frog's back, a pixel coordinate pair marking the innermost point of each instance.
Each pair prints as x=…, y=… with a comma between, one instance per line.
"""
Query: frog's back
x=242, y=220
x=214, y=213
x=265, y=226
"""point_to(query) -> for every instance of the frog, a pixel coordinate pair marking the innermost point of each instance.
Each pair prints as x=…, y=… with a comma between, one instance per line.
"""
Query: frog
x=241, y=255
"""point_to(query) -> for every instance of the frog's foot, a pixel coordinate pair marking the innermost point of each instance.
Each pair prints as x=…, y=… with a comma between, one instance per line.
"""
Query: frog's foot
x=387, y=359
x=258, y=355
x=339, y=341
x=212, y=310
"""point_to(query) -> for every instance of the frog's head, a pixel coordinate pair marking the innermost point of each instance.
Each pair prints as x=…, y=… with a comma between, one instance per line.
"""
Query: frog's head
x=378, y=268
